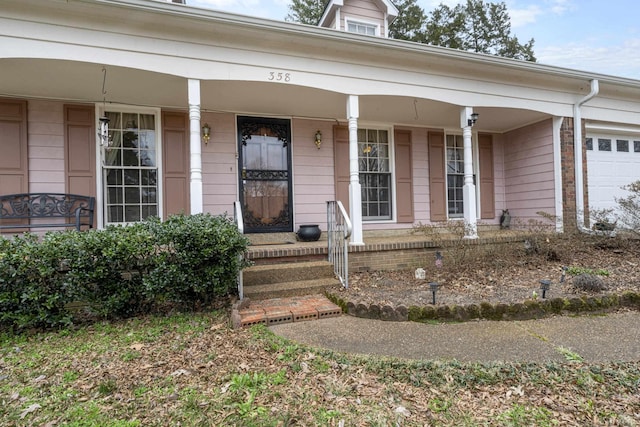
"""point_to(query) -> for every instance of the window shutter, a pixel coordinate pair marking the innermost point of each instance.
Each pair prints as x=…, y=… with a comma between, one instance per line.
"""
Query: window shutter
x=14, y=160
x=80, y=151
x=437, y=177
x=487, y=191
x=175, y=162
x=341, y=153
x=404, y=176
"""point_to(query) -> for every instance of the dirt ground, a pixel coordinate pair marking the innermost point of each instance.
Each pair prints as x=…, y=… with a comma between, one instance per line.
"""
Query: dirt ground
x=510, y=275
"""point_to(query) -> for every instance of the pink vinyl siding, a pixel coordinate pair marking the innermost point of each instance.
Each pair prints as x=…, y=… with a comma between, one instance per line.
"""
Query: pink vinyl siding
x=46, y=146
x=499, y=182
x=363, y=10
x=220, y=164
x=528, y=168
x=313, y=181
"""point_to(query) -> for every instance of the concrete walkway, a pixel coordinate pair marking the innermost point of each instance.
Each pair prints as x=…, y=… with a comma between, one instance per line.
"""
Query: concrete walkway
x=613, y=337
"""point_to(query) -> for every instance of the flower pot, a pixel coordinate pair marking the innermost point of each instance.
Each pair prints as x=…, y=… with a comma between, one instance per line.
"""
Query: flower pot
x=309, y=233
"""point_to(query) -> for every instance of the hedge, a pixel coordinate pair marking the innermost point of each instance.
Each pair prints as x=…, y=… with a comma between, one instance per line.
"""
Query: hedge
x=120, y=271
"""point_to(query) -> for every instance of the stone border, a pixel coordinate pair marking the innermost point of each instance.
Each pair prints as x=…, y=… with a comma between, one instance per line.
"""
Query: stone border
x=529, y=309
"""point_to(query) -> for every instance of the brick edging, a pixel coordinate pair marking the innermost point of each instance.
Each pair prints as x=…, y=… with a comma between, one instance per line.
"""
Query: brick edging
x=529, y=309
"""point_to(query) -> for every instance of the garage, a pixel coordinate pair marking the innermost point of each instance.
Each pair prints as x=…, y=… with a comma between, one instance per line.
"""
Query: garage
x=613, y=161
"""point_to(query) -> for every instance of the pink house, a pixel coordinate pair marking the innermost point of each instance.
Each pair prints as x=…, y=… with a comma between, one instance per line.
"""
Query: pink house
x=205, y=108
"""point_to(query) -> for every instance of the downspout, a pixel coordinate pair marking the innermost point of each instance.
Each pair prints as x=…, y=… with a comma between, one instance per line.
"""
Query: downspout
x=577, y=145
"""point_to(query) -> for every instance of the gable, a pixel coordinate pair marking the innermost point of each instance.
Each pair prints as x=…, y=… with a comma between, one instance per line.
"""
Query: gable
x=339, y=13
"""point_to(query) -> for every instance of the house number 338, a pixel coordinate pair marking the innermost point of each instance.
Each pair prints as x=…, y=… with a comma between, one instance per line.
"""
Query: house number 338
x=279, y=77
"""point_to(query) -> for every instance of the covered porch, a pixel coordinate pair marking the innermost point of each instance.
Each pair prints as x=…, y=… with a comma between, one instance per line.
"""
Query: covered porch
x=422, y=136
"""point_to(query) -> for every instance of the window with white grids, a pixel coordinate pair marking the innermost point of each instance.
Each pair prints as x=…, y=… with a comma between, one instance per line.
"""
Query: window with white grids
x=455, y=175
x=362, y=28
x=375, y=173
x=130, y=168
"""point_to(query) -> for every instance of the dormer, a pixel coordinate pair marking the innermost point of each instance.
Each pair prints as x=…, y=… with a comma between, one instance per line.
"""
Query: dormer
x=371, y=17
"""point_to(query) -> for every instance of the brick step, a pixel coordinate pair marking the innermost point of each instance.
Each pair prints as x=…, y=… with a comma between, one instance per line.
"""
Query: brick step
x=287, y=272
x=290, y=288
x=283, y=310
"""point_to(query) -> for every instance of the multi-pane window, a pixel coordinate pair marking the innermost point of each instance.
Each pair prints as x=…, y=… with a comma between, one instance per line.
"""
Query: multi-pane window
x=130, y=168
x=455, y=175
x=361, y=28
x=375, y=173
x=622, y=145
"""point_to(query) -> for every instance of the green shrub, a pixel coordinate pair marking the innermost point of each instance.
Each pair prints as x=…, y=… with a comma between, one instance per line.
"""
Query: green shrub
x=629, y=208
x=33, y=291
x=197, y=259
x=119, y=271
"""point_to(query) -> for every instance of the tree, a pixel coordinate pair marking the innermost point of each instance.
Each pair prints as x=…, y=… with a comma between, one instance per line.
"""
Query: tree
x=306, y=11
x=409, y=22
x=475, y=26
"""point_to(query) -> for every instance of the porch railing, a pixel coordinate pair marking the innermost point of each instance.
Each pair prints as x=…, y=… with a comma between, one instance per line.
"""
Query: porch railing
x=237, y=218
x=338, y=233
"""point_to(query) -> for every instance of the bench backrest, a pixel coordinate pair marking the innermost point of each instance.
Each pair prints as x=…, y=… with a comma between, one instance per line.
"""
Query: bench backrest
x=47, y=205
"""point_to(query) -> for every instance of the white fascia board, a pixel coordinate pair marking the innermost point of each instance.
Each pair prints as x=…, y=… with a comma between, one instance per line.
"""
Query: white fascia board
x=612, y=128
x=329, y=10
x=191, y=60
x=390, y=9
x=311, y=35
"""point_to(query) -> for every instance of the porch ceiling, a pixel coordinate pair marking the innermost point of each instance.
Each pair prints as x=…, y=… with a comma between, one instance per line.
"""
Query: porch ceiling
x=82, y=82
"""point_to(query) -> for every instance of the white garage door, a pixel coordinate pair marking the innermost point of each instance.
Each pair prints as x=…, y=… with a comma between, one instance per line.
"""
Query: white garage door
x=612, y=162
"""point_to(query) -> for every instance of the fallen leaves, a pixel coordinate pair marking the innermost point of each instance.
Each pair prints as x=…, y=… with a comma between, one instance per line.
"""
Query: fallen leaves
x=508, y=278
x=32, y=408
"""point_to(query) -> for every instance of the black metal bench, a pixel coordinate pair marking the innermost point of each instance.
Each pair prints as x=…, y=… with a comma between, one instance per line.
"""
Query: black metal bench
x=73, y=210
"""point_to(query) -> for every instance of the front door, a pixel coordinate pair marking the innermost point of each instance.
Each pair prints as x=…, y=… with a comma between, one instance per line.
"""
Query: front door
x=265, y=174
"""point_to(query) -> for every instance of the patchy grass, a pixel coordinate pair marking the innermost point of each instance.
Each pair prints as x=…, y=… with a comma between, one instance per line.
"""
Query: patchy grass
x=193, y=370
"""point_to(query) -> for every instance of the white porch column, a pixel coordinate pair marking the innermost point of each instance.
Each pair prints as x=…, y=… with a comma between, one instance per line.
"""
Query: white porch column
x=469, y=188
x=355, y=196
x=557, y=173
x=195, y=147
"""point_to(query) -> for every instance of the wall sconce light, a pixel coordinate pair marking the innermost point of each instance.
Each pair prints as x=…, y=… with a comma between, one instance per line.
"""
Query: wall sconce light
x=318, y=140
x=206, y=133
x=473, y=119
x=104, y=130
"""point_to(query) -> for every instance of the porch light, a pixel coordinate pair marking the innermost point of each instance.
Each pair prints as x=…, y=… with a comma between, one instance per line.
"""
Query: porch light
x=206, y=133
x=318, y=140
x=545, y=284
x=104, y=130
x=473, y=119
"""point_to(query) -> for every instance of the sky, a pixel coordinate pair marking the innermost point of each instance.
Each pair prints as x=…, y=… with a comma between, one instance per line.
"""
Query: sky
x=599, y=36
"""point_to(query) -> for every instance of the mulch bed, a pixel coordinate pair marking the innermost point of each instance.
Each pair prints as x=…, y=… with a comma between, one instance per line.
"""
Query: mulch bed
x=507, y=278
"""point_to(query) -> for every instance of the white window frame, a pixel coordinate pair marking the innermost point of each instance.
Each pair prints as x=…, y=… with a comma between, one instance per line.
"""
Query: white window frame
x=475, y=172
x=375, y=25
x=100, y=198
x=392, y=171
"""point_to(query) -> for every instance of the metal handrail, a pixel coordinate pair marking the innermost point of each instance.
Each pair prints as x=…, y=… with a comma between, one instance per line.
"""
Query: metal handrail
x=338, y=232
x=237, y=218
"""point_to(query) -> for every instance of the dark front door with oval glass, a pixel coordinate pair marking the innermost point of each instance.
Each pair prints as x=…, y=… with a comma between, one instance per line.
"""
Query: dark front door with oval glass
x=264, y=145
